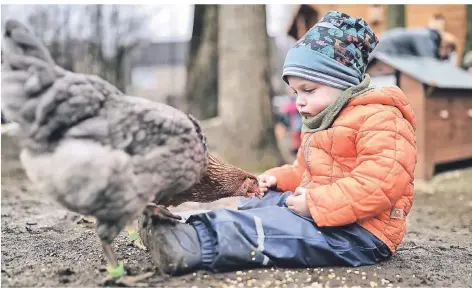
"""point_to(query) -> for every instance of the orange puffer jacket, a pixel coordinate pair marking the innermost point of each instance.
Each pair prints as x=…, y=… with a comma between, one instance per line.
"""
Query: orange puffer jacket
x=361, y=168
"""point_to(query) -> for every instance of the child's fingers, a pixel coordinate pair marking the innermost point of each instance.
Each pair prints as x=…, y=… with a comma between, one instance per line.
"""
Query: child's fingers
x=292, y=208
x=298, y=191
x=267, y=180
x=271, y=181
x=263, y=184
x=289, y=201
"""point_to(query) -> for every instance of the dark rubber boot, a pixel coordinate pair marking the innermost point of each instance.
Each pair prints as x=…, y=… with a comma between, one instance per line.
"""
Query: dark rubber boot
x=175, y=248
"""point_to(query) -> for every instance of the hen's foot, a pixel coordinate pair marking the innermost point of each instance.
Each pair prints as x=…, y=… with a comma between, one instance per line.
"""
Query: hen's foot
x=159, y=213
x=128, y=281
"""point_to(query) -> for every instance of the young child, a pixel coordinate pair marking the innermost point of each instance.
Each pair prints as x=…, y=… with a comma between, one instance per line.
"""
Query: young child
x=352, y=181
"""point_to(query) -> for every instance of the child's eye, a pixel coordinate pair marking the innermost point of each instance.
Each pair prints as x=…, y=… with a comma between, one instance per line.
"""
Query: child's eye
x=310, y=90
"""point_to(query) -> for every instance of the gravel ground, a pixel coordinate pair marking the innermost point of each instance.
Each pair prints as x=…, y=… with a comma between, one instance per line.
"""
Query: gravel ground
x=45, y=245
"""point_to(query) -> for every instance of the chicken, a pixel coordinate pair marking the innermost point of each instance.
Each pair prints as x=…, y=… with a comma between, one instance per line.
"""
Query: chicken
x=104, y=154
x=220, y=180
x=96, y=151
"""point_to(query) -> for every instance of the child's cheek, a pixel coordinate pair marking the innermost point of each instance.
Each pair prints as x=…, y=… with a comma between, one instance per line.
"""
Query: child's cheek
x=318, y=106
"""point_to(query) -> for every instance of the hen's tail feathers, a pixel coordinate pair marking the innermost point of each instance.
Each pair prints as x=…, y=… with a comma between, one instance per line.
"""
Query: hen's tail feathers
x=22, y=50
x=200, y=133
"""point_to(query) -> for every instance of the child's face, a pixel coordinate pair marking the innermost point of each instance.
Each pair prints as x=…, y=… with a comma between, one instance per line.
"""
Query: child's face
x=312, y=97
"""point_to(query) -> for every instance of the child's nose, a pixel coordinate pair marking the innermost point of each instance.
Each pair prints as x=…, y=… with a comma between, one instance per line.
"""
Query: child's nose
x=301, y=101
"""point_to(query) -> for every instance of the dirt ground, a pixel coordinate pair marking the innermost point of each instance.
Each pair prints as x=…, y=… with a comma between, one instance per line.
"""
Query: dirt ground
x=45, y=245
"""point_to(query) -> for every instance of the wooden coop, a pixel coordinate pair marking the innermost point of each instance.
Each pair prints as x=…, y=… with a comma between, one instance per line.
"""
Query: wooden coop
x=450, y=18
x=440, y=94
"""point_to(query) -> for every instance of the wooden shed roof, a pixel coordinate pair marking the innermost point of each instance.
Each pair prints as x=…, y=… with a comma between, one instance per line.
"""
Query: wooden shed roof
x=430, y=71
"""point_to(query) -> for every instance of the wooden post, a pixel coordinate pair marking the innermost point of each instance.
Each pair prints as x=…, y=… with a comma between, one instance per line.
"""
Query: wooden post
x=395, y=16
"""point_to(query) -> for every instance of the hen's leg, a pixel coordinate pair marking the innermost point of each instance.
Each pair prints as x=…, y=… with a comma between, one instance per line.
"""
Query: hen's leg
x=116, y=270
x=133, y=236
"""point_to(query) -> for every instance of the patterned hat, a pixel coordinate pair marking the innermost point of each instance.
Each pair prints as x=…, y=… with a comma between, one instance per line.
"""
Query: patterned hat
x=334, y=52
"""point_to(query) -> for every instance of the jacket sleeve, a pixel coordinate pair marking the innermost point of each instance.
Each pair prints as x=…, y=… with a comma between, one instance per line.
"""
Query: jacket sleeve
x=386, y=158
x=289, y=176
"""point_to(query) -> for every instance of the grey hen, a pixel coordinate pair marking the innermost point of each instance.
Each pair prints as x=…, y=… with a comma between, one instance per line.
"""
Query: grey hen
x=97, y=151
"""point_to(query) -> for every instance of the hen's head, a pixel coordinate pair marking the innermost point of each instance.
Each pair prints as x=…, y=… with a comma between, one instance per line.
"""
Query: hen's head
x=249, y=188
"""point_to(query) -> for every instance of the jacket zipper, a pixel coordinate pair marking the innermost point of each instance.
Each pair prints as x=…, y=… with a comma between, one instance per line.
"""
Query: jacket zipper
x=305, y=156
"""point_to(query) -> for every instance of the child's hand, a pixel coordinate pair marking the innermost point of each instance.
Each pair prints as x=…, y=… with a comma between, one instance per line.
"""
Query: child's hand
x=297, y=202
x=266, y=182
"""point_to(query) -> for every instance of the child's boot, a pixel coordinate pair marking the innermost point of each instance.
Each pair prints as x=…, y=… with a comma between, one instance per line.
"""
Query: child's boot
x=175, y=248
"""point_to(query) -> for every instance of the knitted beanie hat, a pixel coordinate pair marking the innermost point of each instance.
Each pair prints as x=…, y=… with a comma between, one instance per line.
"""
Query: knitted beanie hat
x=334, y=52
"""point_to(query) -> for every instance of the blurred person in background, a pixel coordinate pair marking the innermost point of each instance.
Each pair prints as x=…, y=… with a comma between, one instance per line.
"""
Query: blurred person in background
x=431, y=41
x=294, y=123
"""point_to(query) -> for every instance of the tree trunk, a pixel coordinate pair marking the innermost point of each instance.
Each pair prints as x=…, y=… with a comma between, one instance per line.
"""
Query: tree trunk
x=396, y=16
x=247, y=133
x=468, y=36
x=202, y=68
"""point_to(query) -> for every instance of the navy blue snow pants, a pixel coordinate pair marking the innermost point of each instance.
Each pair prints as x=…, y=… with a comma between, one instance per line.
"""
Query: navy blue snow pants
x=264, y=232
